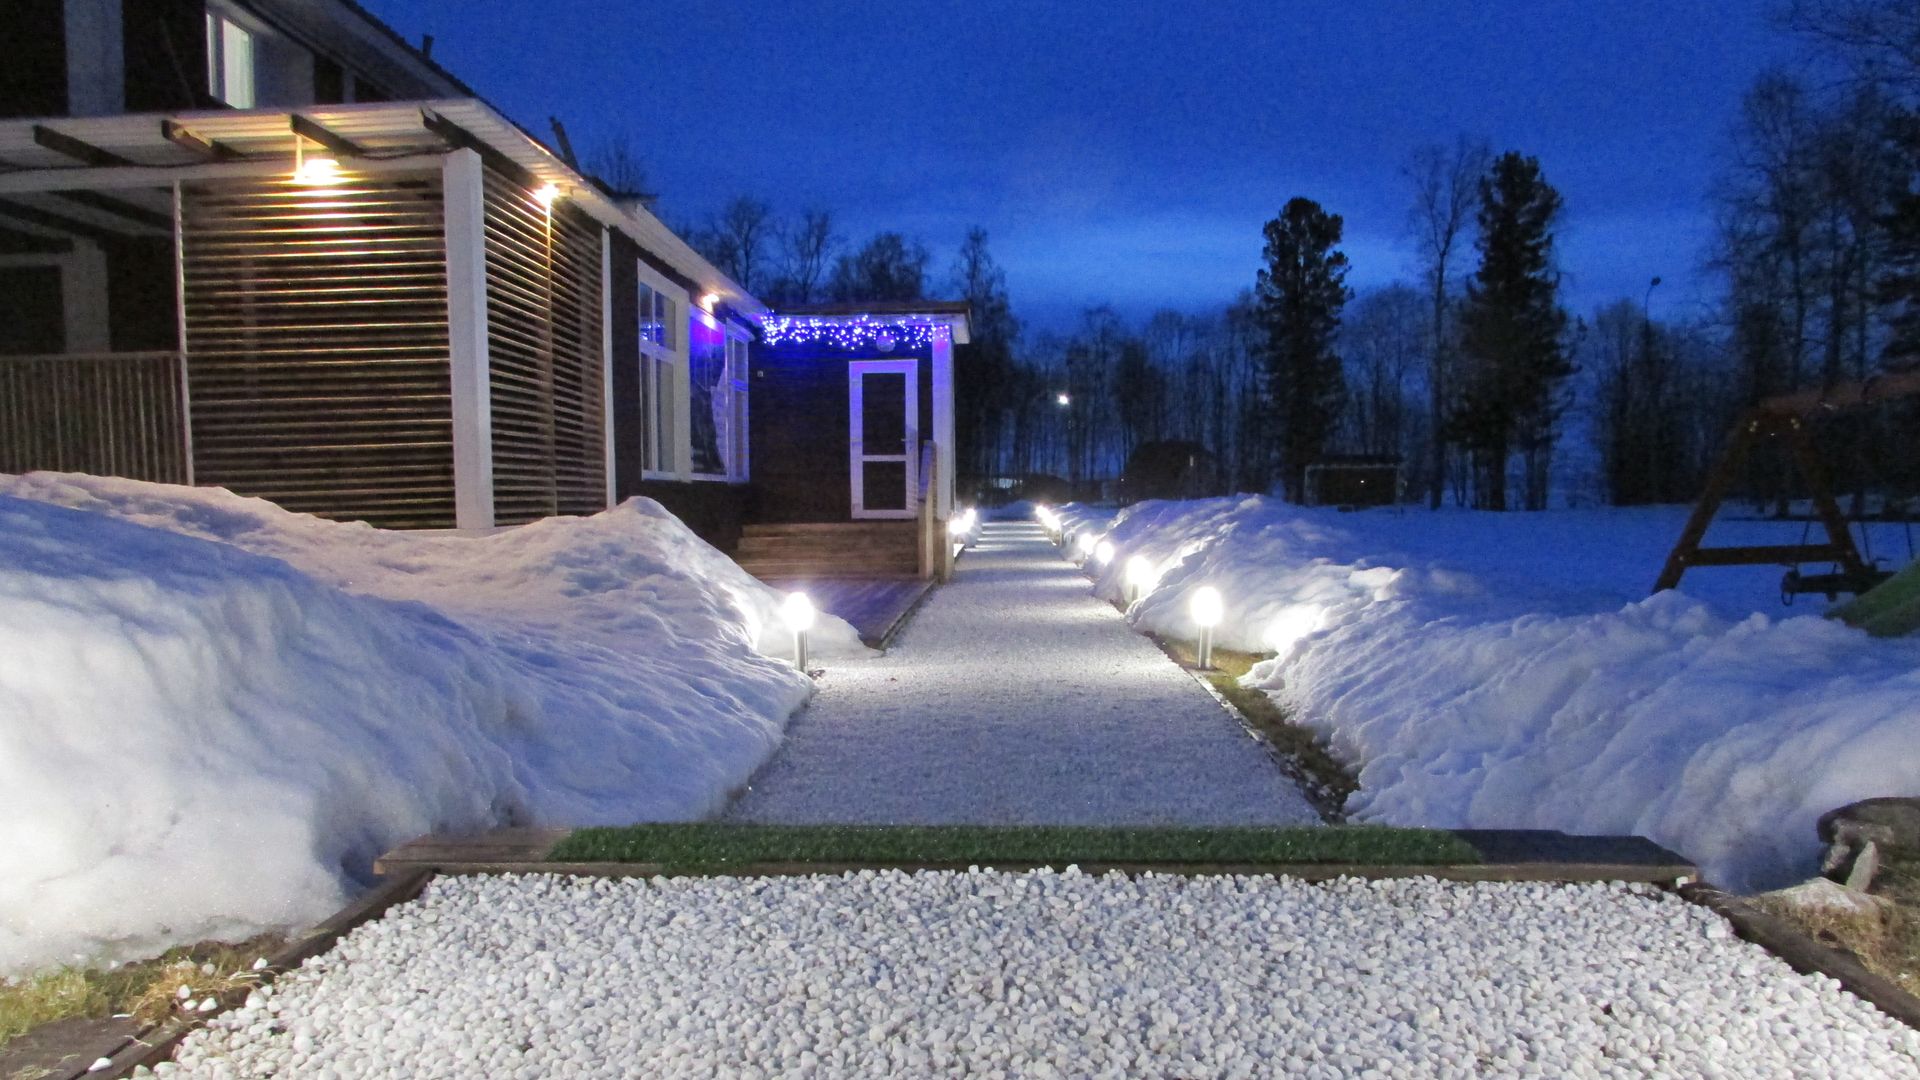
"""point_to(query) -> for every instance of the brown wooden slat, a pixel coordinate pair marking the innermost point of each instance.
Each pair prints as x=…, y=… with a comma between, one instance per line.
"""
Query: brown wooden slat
x=318, y=345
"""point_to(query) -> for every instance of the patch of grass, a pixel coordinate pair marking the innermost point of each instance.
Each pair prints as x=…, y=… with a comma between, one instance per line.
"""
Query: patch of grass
x=709, y=846
x=1900, y=882
x=1887, y=941
x=1327, y=781
x=148, y=990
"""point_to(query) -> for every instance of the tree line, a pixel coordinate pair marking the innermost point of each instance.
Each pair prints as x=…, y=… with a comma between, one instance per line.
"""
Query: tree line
x=1473, y=373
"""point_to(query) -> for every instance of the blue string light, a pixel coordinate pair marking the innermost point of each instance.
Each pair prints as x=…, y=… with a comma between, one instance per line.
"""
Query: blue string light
x=861, y=332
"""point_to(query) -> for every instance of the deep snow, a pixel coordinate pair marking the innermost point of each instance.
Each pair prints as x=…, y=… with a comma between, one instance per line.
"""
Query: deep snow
x=214, y=713
x=1510, y=670
x=1014, y=697
x=1047, y=975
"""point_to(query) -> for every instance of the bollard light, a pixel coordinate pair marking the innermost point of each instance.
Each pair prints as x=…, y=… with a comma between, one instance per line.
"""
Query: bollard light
x=1104, y=552
x=1207, y=610
x=1083, y=546
x=1139, y=577
x=797, y=612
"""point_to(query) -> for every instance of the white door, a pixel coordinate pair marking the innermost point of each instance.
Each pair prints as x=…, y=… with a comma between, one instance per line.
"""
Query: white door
x=883, y=414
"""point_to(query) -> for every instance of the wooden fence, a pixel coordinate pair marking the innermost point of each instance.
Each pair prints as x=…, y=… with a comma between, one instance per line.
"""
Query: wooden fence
x=110, y=414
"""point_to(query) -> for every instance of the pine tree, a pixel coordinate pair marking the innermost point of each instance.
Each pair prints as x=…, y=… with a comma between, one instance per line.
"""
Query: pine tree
x=1513, y=333
x=1301, y=292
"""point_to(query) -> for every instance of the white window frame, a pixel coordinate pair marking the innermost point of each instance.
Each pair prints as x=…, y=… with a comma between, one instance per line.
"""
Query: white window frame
x=663, y=375
x=739, y=368
x=227, y=65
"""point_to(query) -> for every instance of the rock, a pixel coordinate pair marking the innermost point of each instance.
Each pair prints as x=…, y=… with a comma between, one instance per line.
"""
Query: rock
x=1820, y=894
x=1892, y=825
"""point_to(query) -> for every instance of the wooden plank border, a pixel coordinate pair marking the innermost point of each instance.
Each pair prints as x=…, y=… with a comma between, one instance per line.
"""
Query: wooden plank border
x=1803, y=954
x=156, y=1044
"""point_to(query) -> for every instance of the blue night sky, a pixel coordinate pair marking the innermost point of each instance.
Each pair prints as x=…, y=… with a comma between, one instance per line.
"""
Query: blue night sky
x=1132, y=157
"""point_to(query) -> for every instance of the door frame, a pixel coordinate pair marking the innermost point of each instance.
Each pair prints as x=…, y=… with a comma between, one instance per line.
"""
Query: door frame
x=857, y=370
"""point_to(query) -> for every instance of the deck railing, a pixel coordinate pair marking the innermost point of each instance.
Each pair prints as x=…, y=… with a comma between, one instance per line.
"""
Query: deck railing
x=111, y=414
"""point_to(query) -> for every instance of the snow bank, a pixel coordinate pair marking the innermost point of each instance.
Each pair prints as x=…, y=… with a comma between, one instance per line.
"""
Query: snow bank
x=1509, y=671
x=214, y=713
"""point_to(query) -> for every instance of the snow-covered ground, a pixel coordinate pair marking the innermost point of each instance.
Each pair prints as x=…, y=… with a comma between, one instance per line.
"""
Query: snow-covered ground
x=215, y=713
x=1014, y=697
x=1047, y=975
x=1510, y=670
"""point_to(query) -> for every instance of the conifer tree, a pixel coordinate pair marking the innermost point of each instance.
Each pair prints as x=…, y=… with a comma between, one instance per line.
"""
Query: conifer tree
x=1512, y=333
x=1301, y=292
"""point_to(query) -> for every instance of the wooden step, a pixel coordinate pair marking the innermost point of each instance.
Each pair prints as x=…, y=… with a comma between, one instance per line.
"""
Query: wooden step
x=833, y=528
x=829, y=567
x=751, y=545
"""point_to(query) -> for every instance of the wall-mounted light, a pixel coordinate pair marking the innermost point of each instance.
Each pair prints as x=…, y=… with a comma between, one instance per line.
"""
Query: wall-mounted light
x=1207, y=610
x=709, y=301
x=546, y=195
x=797, y=612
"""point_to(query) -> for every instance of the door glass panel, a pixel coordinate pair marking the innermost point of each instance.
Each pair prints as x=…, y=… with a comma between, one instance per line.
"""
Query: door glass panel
x=884, y=484
x=883, y=414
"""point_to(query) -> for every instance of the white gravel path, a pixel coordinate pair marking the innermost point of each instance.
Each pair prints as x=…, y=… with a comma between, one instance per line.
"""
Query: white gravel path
x=1045, y=975
x=1015, y=697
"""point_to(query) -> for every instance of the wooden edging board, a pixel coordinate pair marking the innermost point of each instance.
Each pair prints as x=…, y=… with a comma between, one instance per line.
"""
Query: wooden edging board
x=1508, y=855
x=1803, y=954
x=156, y=1044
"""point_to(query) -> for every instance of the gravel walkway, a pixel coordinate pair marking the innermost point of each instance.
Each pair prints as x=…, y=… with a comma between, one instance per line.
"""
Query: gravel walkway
x=1015, y=697
x=1046, y=975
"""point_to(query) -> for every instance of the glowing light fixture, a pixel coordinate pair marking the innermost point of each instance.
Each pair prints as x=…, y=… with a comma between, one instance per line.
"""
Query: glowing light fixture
x=1083, y=546
x=710, y=301
x=1207, y=610
x=316, y=172
x=1139, y=577
x=1063, y=399
x=797, y=612
x=961, y=527
x=545, y=195
x=1292, y=625
x=1103, y=551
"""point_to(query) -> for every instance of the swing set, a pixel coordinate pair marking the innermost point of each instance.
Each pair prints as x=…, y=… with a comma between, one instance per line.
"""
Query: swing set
x=1789, y=417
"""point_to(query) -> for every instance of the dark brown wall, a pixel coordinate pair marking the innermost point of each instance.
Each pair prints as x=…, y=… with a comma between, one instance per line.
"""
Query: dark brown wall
x=33, y=73
x=628, y=451
x=142, y=310
x=165, y=44
x=714, y=511
x=799, y=429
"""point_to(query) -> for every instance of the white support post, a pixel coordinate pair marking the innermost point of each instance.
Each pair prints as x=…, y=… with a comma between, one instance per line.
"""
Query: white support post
x=461, y=174
x=943, y=422
x=606, y=361
x=180, y=324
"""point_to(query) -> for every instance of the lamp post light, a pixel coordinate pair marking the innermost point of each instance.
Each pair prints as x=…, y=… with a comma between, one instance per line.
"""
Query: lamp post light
x=797, y=612
x=1207, y=610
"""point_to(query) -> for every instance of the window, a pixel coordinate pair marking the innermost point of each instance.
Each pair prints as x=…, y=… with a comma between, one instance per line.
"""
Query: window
x=710, y=394
x=737, y=372
x=660, y=365
x=229, y=61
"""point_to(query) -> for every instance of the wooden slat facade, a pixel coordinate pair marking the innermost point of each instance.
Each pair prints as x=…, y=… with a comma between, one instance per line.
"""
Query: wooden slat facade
x=544, y=354
x=111, y=414
x=317, y=345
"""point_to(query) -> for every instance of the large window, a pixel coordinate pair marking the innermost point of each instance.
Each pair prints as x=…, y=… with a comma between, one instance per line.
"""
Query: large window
x=717, y=366
x=229, y=60
x=660, y=330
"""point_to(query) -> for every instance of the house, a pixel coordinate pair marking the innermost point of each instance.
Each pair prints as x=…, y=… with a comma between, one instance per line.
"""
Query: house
x=273, y=247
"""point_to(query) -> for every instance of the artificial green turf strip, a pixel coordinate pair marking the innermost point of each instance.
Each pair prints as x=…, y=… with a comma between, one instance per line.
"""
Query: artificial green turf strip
x=712, y=845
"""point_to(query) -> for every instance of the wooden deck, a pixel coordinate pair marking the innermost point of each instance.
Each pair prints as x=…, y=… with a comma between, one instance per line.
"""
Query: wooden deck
x=877, y=607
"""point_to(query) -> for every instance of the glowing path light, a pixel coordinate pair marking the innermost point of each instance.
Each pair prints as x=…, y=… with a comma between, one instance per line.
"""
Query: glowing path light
x=1139, y=577
x=797, y=612
x=1103, y=551
x=1207, y=610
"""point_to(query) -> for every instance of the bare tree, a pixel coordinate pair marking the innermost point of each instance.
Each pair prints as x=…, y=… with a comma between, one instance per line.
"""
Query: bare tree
x=1446, y=193
x=806, y=251
x=1878, y=41
x=739, y=238
x=617, y=164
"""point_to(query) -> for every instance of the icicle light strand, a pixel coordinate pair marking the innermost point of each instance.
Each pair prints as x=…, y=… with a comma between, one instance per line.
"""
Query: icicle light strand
x=854, y=334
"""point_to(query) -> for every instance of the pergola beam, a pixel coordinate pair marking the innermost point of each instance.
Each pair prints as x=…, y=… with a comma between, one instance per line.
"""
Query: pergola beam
x=187, y=139
x=46, y=219
x=107, y=204
x=84, y=152
x=339, y=144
